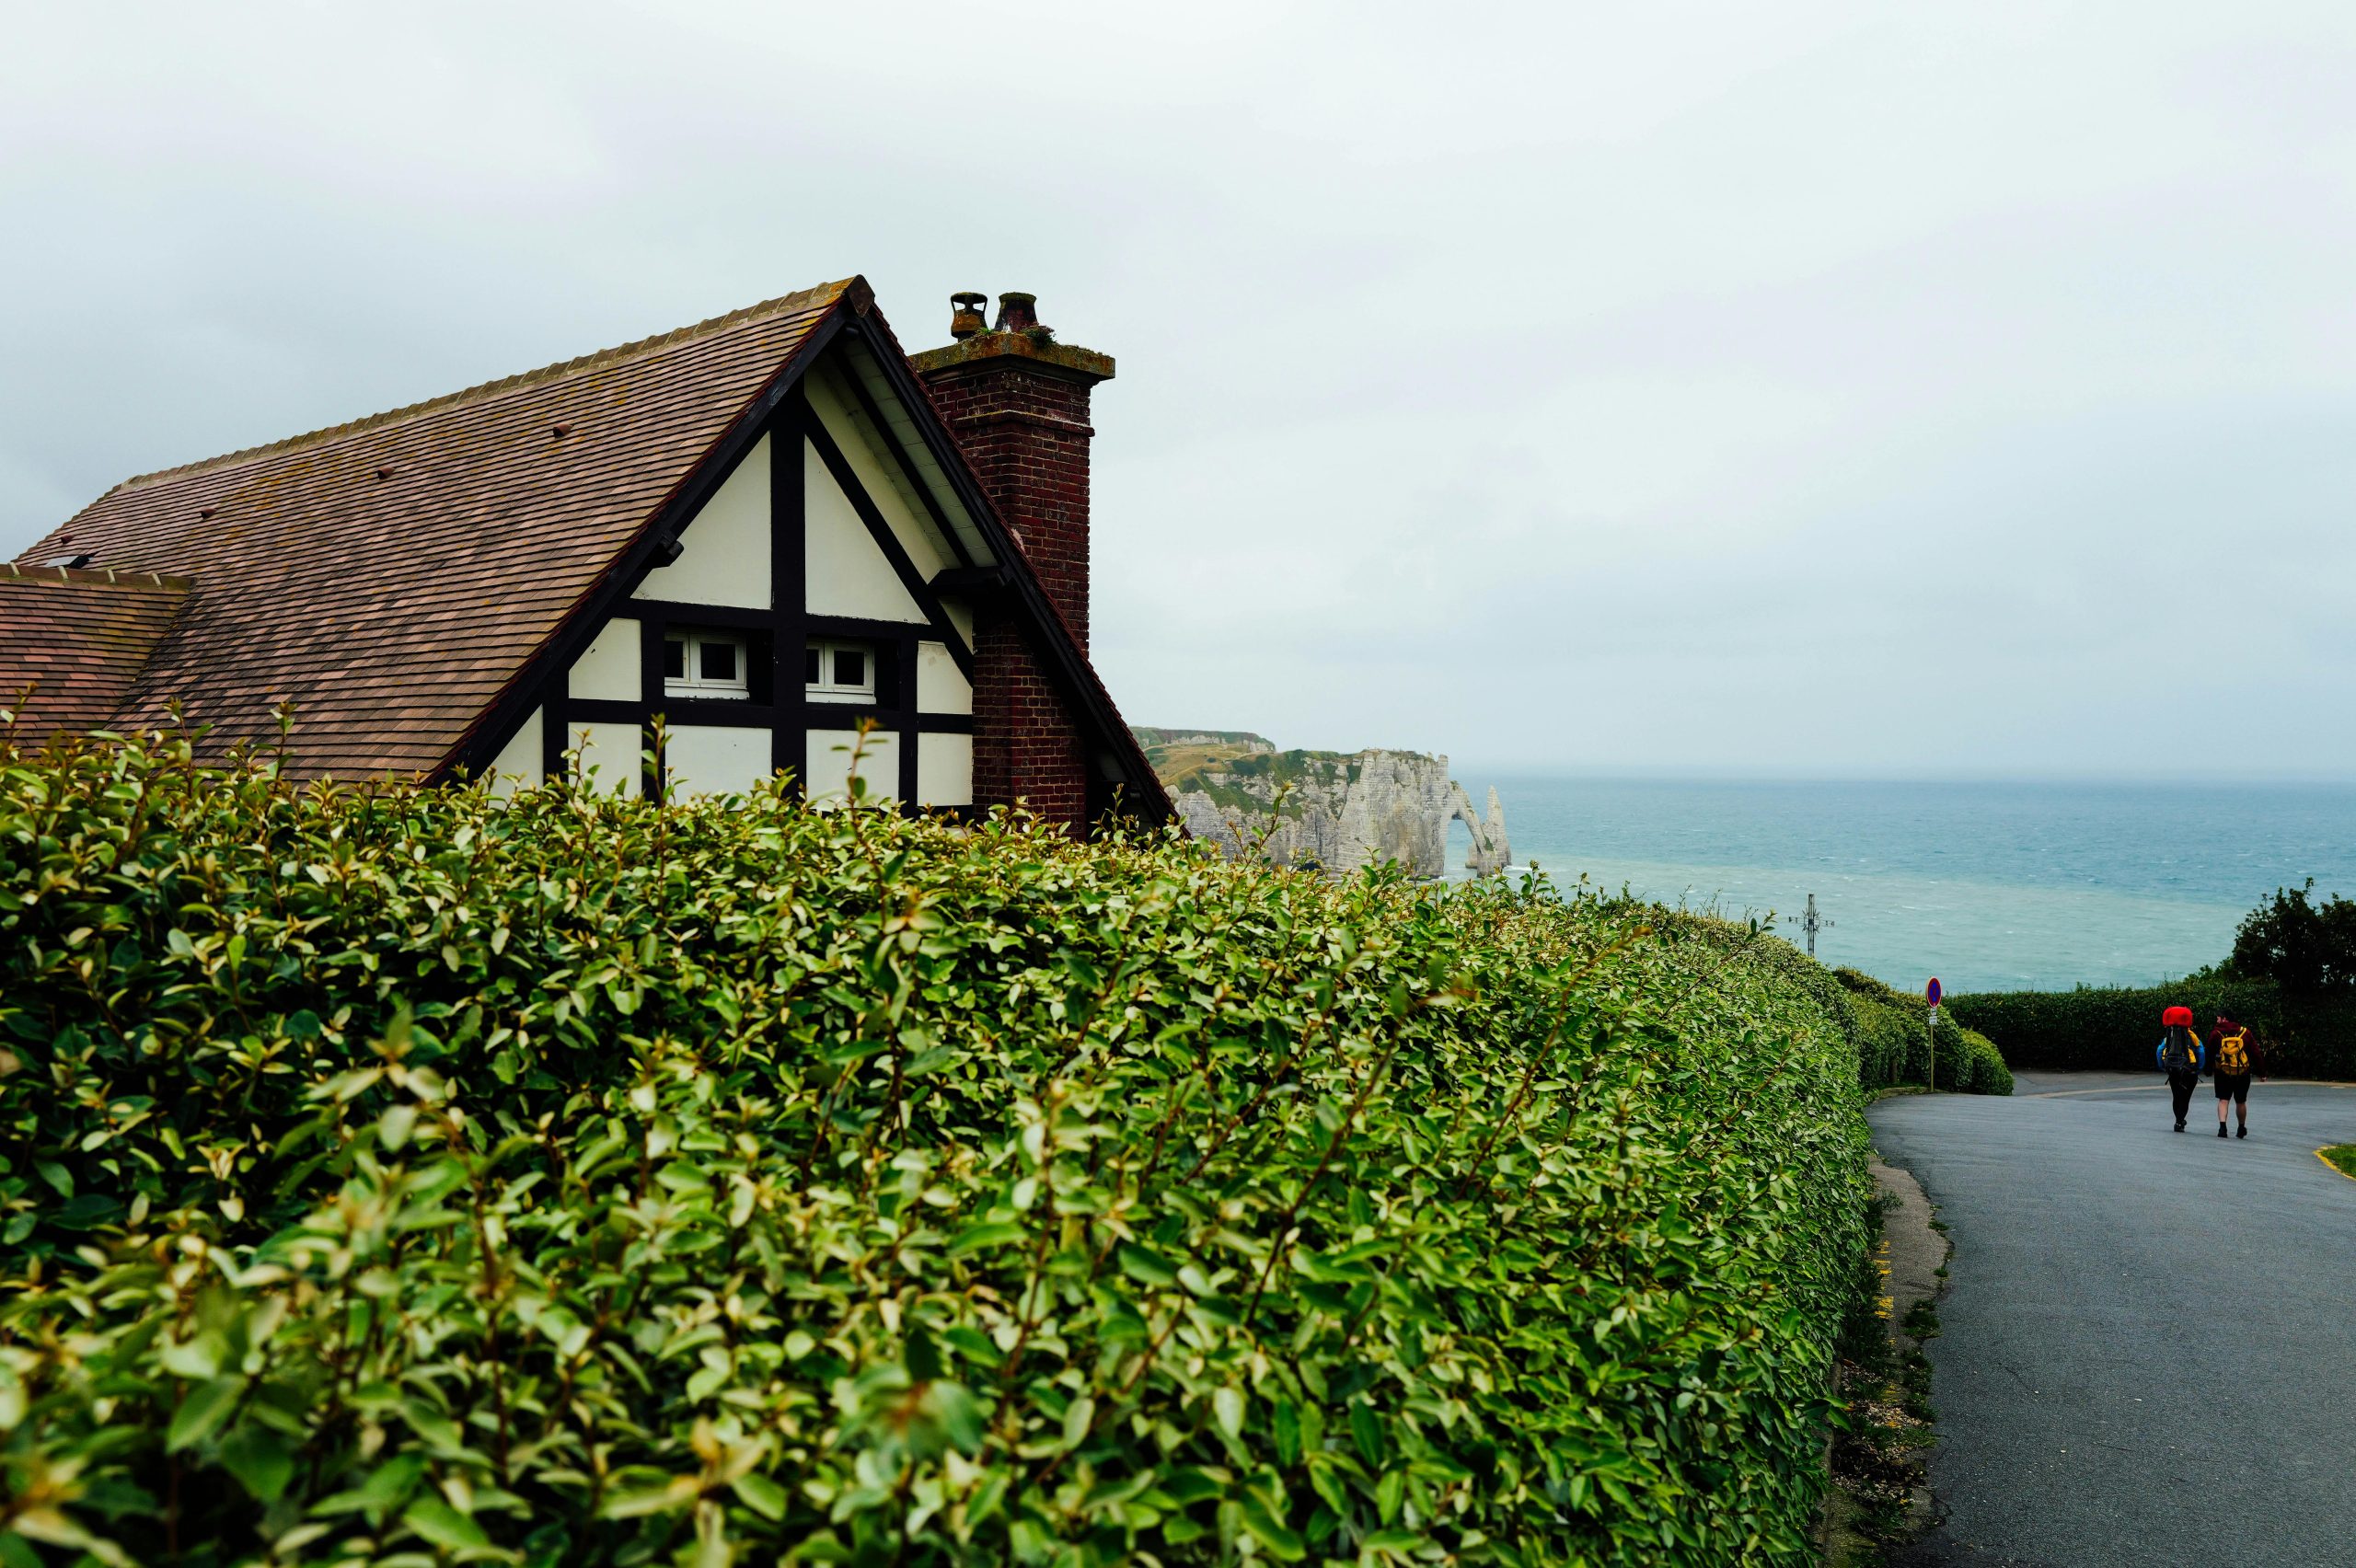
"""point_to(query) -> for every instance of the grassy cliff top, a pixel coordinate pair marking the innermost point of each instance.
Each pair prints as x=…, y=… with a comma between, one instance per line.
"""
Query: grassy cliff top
x=1224, y=763
x=1163, y=736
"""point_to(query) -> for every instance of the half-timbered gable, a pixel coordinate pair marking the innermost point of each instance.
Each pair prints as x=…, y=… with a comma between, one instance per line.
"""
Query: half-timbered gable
x=756, y=539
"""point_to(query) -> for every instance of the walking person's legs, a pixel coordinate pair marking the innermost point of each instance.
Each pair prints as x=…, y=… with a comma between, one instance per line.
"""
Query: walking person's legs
x=2180, y=1094
x=2224, y=1098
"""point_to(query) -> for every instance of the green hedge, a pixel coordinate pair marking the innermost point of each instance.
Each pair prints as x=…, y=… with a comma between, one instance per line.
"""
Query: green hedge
x=2117, y=1027
x=409, y=1177
x=1892, y=1048
x=1884, y=1028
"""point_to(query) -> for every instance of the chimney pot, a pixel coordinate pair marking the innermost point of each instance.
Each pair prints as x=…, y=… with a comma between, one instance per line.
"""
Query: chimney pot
x=1017, y=312
x=965, y=314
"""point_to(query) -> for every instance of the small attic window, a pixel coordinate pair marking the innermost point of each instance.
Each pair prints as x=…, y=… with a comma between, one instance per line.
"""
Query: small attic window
x=68, y=560
x=837, y=670
x=705, y=664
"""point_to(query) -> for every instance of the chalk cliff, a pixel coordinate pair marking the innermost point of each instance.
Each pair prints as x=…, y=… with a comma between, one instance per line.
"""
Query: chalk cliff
x=1336, y=810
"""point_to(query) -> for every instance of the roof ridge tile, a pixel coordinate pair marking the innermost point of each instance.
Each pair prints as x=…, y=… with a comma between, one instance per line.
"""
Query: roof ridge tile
x=801, y=299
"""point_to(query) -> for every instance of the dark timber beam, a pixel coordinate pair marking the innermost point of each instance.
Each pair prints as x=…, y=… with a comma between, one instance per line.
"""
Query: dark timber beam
x=905, y=719
x=973, y=582
x=555, y=716
x=789, y=588
x=678, y=612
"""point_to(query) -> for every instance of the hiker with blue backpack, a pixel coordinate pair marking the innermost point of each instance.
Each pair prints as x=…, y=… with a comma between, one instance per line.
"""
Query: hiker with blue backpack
x=2233, y=1060
x=2179, y=1056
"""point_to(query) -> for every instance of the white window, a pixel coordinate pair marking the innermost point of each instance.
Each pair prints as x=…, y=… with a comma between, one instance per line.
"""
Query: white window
x=831, y=669
x=704, y=663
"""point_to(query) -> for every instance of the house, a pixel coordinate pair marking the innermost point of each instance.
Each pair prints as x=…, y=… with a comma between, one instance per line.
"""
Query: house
x=762, y=529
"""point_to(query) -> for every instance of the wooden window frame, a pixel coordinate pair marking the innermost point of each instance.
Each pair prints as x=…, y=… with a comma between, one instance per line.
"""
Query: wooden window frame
x=695, y=687
x=825, y=690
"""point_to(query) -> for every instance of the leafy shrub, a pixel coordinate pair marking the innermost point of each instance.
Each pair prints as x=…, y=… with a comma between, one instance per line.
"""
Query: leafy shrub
x=2308, y=949
x=2116, y=1028
x=410, y=1176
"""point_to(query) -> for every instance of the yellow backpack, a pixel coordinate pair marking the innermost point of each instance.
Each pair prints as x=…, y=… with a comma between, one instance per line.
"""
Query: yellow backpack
x=2233, y=1054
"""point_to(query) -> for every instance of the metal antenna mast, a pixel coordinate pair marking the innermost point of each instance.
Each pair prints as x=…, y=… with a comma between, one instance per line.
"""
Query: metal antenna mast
x=1811, y=922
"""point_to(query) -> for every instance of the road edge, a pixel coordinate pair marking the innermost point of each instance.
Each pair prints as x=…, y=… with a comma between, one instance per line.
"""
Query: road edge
x=1879, y=1500
x=1914, y=1249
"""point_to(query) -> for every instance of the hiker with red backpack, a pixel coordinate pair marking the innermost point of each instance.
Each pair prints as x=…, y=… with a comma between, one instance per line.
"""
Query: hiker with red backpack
x=2179, y=1057
x=2232, y=1060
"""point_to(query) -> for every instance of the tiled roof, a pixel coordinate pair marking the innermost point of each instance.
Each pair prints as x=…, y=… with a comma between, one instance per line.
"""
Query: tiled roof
x=390, y=576
x=72, y=642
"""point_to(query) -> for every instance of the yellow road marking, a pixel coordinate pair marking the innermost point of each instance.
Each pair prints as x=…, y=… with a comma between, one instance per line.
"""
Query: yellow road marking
x=2148, y=1088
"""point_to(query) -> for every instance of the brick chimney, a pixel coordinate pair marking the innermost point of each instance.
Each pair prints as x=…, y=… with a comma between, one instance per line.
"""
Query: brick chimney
x=1018, y=402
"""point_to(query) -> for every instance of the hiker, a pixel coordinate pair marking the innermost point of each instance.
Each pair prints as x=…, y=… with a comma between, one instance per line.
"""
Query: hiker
x=2232, y=1060
x=2179, y=1057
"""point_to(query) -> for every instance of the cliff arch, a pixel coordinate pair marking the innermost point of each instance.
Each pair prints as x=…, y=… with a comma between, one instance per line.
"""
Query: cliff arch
x=1490, y=853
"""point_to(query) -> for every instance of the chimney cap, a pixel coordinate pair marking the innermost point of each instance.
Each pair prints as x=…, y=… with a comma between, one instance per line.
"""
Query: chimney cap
x=1017, y=335
x=965, y=313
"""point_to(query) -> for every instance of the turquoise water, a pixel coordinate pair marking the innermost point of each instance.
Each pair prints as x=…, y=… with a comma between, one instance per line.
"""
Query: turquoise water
x=1988, y=886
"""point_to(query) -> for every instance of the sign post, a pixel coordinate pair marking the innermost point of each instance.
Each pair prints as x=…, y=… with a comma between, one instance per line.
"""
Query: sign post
x=1931, y=1073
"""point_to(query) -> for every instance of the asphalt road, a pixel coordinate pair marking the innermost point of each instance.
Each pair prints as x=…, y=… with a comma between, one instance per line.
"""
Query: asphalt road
x=2148, y=1353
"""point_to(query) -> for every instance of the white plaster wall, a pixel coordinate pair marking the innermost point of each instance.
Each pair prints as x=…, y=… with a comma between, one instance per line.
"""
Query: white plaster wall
x=877, y=477
x=826, y=773
x=517, y=765
x=613, y=751
x=941, y=687
x=724, y=549
x=607, y=669
x=847, y=575
x=713, y=759
x=945, y=770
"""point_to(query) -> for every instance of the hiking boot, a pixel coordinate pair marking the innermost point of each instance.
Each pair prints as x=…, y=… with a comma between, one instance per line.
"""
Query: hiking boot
x=2245, y=1132
x=2180, y=1124
x=2221, y=1129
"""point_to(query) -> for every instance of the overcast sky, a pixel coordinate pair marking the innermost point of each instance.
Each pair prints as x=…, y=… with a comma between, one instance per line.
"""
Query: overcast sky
x=1949, y=390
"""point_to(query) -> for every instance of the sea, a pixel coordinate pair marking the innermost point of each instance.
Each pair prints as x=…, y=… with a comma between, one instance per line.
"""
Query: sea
x=1987, y=886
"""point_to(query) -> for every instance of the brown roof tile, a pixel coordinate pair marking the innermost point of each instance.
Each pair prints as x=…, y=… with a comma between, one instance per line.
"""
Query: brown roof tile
x=71, y=642
x=319, y=559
